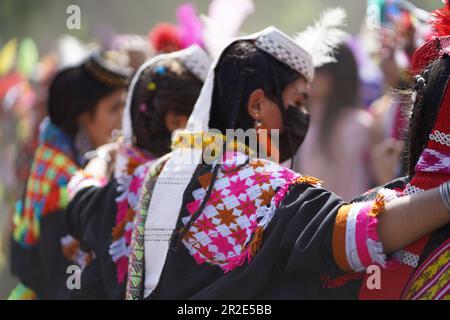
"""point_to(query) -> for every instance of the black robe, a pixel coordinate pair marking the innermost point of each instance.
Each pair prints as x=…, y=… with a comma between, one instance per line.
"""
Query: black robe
x=295, y=252
x=43, y=267
x=295, y=260
x=90, y=217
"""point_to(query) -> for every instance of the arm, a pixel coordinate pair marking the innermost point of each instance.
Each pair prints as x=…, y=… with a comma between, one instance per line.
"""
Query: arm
x=416, y=215
x=365, y=232
x=323, y=234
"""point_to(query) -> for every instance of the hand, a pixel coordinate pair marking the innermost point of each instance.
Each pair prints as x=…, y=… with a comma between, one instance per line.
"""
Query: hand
x=102, y=160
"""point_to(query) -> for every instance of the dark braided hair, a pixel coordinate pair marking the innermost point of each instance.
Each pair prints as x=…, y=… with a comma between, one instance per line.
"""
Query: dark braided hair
x=165, y=87
x=242, y=69
x=426, y=107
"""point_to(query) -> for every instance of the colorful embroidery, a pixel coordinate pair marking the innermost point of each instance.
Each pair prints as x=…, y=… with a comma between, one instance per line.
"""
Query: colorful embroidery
x=432, y=280
x=242, y=203
x=355, y=238
x=136, y=259
x=46, y=192
x=434, y=161
x=129, y=186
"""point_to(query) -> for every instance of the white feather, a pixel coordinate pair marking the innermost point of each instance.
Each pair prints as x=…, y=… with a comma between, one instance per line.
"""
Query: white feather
x=321, y=39
x=224, y=20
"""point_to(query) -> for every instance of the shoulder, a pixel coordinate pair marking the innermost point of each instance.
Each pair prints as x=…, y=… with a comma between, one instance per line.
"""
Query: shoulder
x=53, y=161
x=396, y=185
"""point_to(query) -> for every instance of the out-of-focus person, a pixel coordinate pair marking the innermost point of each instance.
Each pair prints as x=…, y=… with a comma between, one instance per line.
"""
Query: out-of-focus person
x=336, y=147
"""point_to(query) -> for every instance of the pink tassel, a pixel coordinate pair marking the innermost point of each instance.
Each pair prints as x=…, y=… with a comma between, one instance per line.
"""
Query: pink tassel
x=122, y=208
x=190, y=26
x=237, y=261
x=122, y=269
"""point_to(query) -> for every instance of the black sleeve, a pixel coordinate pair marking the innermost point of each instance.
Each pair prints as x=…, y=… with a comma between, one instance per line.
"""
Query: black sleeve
x=308, y=216
x=92, y=287
x=26, y=265
x=43, y=267
x=90, y=217
x=54, y=263
x=84, y=214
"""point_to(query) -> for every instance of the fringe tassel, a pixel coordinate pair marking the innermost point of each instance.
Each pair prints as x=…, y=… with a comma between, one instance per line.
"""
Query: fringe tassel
x=256, y=242
x=249, y=253
x=308, y=180
x=377, y=207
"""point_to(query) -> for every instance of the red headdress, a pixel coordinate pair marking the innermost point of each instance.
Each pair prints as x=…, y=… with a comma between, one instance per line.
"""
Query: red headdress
x=165, y=38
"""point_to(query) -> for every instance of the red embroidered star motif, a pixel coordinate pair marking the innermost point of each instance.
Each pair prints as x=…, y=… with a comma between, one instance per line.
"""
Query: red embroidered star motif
x=240, y=235
x=248, y=207
x=204, y=224
x=237, y=187
x=257, y=163
x=205, y=180
x=190, y=236
x=206, y=253
x=227, y=217
x=262, y=178
x=222, y=243
x=215, y=198
x=266, y=196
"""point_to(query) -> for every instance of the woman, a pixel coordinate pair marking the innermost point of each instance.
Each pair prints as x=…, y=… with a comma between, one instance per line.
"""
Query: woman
x=424, y=272
x=242, y=229
x=340, y=129
x=84, y=105
x=160, y=101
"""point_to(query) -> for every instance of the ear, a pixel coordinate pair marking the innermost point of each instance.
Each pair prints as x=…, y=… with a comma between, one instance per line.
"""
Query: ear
x=254, y=104
x=174, y=121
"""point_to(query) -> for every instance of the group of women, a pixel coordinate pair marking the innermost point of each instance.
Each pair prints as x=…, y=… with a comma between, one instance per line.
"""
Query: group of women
x=148, y=218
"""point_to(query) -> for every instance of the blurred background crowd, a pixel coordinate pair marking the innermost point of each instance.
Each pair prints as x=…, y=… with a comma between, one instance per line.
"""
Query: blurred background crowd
x=357, y=108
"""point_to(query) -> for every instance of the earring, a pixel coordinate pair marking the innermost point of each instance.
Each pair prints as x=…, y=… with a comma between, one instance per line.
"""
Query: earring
x=258, y=125
x=83, y=143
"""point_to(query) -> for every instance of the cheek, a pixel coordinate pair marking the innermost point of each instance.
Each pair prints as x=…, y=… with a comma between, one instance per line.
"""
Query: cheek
x=109, y=119
x=105, y=122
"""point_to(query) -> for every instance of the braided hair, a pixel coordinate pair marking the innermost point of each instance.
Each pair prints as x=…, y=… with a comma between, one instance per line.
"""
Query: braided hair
x=167, y=86
x=430, y=90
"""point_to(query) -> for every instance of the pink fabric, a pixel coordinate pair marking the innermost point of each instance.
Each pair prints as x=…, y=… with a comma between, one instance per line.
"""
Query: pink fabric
x=362, y=234
x=434, y=161
x=222, y=233
x=122, y=268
